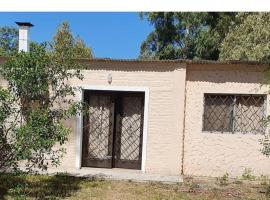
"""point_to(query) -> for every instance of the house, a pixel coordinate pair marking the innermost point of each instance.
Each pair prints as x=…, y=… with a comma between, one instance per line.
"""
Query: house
x=170, y=117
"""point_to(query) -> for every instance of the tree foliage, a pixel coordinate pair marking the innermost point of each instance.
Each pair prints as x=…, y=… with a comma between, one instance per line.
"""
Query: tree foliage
x=33, y=108
x=8, y=41
x=38, y=98
x=249, y=39
x=185, y=35
x=65, y=44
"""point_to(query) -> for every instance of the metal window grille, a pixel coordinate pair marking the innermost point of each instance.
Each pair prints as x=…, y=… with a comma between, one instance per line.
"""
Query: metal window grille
x=234, y=113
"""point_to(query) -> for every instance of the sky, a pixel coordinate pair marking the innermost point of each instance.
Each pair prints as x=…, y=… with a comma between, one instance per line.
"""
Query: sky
x=110, y=35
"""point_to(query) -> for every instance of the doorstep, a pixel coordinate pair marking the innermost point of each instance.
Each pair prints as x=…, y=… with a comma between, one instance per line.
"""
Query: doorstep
x=118, y=174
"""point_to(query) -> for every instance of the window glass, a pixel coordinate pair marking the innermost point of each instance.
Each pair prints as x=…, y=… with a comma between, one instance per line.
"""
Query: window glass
x=234, y=113
x=249, y=114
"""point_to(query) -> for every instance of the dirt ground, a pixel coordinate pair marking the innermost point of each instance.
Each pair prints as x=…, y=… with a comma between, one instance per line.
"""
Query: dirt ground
x=68, y=187
x=192, y=188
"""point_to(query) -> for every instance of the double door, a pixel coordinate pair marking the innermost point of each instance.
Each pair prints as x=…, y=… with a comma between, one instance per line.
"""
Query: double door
x=112, y=129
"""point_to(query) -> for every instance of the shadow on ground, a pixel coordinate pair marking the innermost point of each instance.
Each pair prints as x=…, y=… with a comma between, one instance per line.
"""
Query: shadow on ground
x=38, y=186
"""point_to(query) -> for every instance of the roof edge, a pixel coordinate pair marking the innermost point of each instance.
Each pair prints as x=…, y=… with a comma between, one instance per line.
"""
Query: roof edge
x=187, y=61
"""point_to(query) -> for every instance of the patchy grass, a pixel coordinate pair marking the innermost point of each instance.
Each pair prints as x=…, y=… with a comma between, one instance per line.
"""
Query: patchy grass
x=37, y=186
x=63, y=186
x=247, y=174
x=224, y=180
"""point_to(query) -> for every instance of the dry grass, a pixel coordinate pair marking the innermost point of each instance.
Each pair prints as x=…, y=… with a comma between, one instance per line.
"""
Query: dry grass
x=67, y=187
x=192, y=188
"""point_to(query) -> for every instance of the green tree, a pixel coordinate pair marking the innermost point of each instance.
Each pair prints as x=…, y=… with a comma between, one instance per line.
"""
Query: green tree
x=185, y=35
x=249, y=39
x=66, y=45
x=81, y=50
x=34, y=106
x=8, y=41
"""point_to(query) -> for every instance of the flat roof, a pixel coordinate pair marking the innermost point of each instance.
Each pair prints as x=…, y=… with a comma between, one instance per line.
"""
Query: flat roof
x=195, y=61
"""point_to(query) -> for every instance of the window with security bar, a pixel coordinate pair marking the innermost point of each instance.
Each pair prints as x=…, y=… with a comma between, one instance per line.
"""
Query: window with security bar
x=234, y=113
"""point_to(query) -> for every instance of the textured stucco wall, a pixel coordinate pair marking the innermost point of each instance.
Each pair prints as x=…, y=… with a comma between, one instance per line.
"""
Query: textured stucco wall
x=212, y=154
x=205, y=154
x=166, y=103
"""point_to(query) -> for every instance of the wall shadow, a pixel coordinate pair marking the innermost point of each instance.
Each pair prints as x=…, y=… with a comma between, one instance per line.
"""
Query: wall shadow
x=38, y=186
x=226, y=77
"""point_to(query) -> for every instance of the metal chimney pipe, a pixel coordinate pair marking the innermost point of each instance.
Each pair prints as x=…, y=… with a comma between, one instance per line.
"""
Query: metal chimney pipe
x=24, y=35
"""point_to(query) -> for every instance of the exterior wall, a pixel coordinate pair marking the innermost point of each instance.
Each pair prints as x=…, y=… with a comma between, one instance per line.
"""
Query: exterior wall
x=175, y=141
x=166, y=104
x=213, y=154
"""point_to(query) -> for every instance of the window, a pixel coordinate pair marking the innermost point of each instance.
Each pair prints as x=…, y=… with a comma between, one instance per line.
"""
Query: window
x=234, y=113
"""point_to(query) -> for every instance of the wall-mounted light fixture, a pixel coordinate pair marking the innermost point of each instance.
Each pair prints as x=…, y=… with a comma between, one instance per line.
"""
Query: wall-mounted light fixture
x=109, y=78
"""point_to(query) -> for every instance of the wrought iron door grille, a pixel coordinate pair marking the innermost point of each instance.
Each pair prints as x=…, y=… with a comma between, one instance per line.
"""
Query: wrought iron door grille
x=99, y=127
x=234, y=113
x=130, y=129
x=113, y=128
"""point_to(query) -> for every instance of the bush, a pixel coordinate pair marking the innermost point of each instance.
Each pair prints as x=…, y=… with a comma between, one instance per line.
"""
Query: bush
x=247, y=174
x=223, y=180
x=37, y=82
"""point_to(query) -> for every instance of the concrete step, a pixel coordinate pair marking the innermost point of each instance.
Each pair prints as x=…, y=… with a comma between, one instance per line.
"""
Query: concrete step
x=118, y=174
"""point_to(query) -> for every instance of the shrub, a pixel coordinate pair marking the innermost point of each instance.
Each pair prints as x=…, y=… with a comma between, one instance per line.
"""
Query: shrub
x=247, y=174
x=223, y=180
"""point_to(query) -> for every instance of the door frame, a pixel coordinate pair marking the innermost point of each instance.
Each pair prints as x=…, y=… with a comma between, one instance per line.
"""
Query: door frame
x=79, y=134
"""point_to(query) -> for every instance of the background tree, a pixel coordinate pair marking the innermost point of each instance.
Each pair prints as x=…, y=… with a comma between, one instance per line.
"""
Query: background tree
x=65, y=44
x=185, y=35
x=249, y=39
x=8, y=41
x=34, y=106
x=81, y=50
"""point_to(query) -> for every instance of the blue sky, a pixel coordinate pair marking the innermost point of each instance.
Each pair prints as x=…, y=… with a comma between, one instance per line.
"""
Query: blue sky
x=114, y=35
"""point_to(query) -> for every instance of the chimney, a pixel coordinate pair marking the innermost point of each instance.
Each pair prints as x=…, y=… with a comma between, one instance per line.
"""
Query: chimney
x=24, y=31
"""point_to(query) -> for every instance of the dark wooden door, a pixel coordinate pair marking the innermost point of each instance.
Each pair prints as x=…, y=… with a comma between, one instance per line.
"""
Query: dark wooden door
x=98, y=130
x=113, y=130
x=129, y=131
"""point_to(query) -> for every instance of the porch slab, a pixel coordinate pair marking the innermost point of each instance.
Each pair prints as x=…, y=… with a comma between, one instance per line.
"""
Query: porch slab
x=119, y=174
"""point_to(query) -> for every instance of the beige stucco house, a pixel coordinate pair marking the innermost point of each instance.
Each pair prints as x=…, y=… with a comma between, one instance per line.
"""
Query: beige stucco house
x=170, y=117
